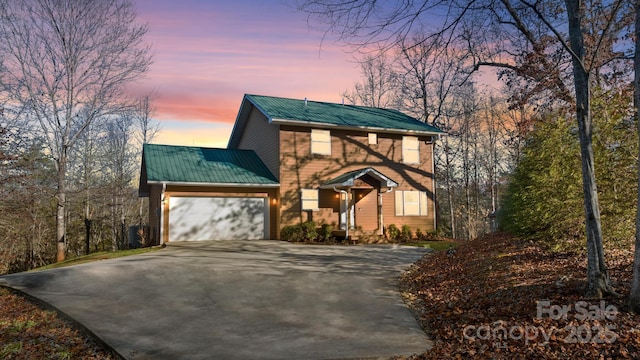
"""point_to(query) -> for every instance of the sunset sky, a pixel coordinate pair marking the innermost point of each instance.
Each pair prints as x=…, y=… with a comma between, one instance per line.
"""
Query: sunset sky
x=209, y=53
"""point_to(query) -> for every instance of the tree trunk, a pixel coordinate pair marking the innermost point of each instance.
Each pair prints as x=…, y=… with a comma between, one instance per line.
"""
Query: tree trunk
x=60, y=211
x=598, y=282
x=87, y=242
x=634, y=296
x=447, y=162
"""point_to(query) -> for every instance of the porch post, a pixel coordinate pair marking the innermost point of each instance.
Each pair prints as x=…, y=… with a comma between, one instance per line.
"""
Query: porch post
x=380, y=220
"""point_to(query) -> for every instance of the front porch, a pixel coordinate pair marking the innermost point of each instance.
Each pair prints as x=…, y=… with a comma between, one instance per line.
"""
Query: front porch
x=359, y=194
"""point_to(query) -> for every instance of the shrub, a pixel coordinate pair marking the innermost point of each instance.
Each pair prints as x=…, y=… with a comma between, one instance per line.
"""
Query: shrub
x=405, y=233
x=325, y=233
x=292, y=233
x=393, y=232
x=420, y=236
x=309, y=232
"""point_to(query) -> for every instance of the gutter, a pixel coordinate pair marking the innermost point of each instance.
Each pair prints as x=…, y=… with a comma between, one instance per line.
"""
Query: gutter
x=364, y=128
x=165, y=183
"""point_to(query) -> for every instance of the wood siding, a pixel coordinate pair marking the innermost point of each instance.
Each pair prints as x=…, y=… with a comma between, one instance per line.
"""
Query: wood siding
x=350, y=150
x=263, y=138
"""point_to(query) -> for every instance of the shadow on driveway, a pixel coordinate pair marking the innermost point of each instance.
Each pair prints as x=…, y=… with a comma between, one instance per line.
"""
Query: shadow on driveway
x=240, y=300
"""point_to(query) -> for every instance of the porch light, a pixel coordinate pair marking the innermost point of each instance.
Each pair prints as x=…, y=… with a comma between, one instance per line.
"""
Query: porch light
x=274, y=201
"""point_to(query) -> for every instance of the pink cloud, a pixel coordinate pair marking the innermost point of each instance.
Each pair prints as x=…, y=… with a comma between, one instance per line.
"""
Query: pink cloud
x=208, y=54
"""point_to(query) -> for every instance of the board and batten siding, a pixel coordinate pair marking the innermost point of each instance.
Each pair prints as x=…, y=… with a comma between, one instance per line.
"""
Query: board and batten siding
x=263, y=138
x=350, y=150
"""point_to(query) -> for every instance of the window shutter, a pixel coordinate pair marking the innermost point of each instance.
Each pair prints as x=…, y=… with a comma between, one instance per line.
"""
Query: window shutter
x=399, y=203
x=423, y=203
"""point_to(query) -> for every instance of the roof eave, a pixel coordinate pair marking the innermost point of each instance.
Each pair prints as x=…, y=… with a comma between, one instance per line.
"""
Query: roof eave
x=346, y=127
x=179, y=183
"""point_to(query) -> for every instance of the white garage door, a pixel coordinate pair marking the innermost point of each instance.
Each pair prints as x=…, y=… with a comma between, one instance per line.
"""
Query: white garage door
x=218, y=218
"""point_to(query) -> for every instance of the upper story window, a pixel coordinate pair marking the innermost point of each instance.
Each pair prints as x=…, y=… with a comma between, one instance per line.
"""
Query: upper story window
x=373, y=138
x=320, y=142
x=410, y=150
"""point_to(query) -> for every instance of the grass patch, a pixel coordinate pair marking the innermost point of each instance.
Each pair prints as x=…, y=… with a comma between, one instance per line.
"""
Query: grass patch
x=103, y=255
x=437, y=245
x=10, y=349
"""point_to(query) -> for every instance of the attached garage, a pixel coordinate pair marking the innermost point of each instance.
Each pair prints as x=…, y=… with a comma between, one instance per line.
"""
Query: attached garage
x=218, y=218
x=200, y=194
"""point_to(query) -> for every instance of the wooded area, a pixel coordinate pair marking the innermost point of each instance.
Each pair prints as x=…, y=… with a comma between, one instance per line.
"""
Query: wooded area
x=70, y=135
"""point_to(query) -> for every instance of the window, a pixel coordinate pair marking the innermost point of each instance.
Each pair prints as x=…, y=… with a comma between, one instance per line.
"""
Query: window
x=411, y=203
x=410, y=150
x=373, y=138
x=309, y=199
x=320, y=142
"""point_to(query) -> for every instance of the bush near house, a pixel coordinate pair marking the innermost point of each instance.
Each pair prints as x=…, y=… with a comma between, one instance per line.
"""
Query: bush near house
x=405, y=234
x=392, y=232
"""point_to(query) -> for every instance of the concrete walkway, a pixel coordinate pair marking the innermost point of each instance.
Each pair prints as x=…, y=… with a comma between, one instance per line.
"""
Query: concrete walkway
x=240, y=300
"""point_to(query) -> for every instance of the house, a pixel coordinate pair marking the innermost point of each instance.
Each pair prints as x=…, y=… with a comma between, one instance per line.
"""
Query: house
x=289, y=161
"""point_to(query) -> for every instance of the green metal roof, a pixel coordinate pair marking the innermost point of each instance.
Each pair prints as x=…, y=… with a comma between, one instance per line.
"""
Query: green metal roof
x=194, y=165
x=323, y=113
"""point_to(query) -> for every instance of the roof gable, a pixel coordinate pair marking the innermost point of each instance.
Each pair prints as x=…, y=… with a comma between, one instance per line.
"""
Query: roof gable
x=349, y=179
x=199, y=165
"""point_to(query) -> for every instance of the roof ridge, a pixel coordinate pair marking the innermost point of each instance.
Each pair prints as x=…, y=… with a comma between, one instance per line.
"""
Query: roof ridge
x=323, y=113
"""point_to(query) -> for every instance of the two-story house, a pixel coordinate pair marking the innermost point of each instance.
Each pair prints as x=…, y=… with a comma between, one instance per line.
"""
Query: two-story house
x=289, y=161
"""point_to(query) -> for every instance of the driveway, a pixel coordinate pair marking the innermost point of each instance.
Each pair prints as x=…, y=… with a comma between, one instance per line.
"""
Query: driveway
x=240, y=300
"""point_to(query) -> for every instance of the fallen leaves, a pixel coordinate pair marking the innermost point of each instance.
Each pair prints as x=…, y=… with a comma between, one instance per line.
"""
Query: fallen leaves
x=483, y=301
x=29, y=332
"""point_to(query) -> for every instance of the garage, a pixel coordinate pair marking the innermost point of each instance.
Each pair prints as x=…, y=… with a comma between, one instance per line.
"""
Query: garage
x=198, y=193
x=218, y=218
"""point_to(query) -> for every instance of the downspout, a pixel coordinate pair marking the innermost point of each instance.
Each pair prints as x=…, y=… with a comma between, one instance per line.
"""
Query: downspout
x=381, y=220
x=433, y=181
x=346, y=209
x=164, y=188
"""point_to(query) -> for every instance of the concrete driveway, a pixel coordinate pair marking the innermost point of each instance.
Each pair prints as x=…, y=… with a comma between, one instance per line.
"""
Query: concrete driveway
x=240, y=300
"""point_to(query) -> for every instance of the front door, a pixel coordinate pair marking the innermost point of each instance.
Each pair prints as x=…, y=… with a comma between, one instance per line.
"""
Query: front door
x=366, y=209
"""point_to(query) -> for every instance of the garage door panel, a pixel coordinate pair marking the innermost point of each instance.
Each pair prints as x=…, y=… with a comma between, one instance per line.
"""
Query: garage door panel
x=217, y=218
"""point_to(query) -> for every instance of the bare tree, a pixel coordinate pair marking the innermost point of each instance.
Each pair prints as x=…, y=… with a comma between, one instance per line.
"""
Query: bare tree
x=66, y=65
x=378, y=86
x=147, y=127
x=431, y=73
